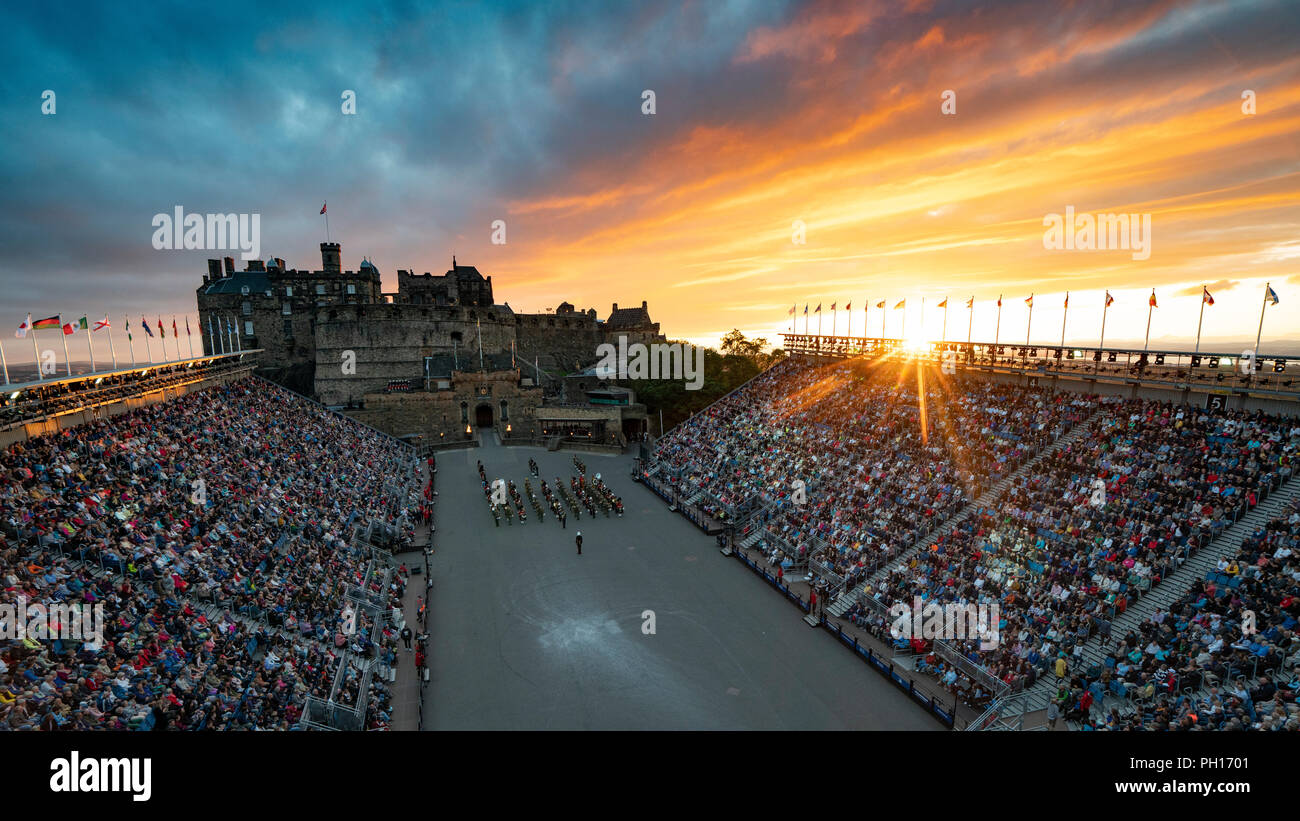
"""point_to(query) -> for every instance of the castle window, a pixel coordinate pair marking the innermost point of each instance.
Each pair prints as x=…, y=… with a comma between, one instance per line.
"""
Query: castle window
x=288, y=290
x=352, y=289
x=248, y=329
x=320, y=290
x=247, y=308
x=286, y=308
x=288, y=329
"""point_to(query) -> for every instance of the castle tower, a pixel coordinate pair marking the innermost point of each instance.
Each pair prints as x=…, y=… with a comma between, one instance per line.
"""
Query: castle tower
x=331, y=257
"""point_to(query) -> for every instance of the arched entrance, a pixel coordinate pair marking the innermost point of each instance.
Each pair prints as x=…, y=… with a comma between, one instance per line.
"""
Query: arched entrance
x=483, y=416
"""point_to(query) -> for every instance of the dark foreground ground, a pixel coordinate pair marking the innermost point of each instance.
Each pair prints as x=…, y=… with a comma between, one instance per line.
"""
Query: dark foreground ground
x=525, y=634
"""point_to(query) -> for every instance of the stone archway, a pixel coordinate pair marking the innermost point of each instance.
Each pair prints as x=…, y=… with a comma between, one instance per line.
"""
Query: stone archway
x=483, y=416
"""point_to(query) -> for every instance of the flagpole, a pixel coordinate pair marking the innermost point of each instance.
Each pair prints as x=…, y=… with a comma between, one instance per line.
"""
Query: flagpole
x=3, y=361
x=67, y=361
x=1065, y=314
x=884, y=314
x=903, y=336
x=90, y=346
x=943, y=337
x=1146, y=344
x=130, y=343
x=239, y=339
x=819, y=322
x=971, y=322
x=189, y=336
x=835, y=320
x=1201, y=319
x=998, y=328
x=1101, y=346
x=1030, y=323
x=111, y=350
x=1260, y=332
x=40, y=371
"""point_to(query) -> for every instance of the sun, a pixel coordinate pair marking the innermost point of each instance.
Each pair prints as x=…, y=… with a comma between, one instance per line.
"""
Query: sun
x=916, y=344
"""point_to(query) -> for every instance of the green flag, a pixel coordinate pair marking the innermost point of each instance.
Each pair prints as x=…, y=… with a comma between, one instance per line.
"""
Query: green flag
x=83, y=324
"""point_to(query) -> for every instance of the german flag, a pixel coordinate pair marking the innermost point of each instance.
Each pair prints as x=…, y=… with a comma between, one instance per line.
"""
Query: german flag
x=48, y=322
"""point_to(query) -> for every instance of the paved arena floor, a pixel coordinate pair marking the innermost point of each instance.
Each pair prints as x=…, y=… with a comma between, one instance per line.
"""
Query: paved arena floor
x=525, y=634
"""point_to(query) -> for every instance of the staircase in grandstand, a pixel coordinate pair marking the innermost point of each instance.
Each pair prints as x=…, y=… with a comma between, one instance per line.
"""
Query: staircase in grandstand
x=986, y=499
x=1199, y=565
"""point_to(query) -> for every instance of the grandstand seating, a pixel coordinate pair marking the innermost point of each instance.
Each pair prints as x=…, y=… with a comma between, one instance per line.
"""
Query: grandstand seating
x=217, y=530
x=1063, y=548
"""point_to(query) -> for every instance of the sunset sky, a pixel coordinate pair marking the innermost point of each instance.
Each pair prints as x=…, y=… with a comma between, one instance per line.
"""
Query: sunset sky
x=767, y=113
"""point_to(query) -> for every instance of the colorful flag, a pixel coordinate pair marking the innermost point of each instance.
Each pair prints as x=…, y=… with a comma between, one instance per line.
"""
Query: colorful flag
x=819, y=308
x=1152, y=300
x=1030, y=301
x=944, y=304
x=161, y=330
x=48, y=322
x=1110, y=300
x=1206, y=297
x=322, y=208
x=23, y=328
x=145, y=323
x=1272, y=294
x=999, y=300
x=832, y=306
x=129, y=338
x=103, y=323
x=187, y=324
x=848, y=306
x=880, y=304
x=1067, y=299
x=175, y=333
x=805, y=309
x=901, y=303
x=69, y=329
x=791, y=314
x=970, y=303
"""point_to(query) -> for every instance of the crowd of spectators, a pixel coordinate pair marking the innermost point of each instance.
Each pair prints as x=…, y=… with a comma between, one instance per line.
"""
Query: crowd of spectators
x=216, y=531
x=851, y=462
x=1067, y=548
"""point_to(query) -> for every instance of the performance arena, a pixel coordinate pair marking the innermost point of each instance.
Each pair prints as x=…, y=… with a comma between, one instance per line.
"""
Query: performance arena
x=264, y=562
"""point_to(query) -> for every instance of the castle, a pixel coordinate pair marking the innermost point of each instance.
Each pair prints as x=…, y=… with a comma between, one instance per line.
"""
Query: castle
x=416, y=361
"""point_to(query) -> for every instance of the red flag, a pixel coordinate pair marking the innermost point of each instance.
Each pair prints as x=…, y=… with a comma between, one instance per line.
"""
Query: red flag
x=1110, y=300
x=175, y=333
x=1152, y=301
x=1205, y=296
x=322, y=208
